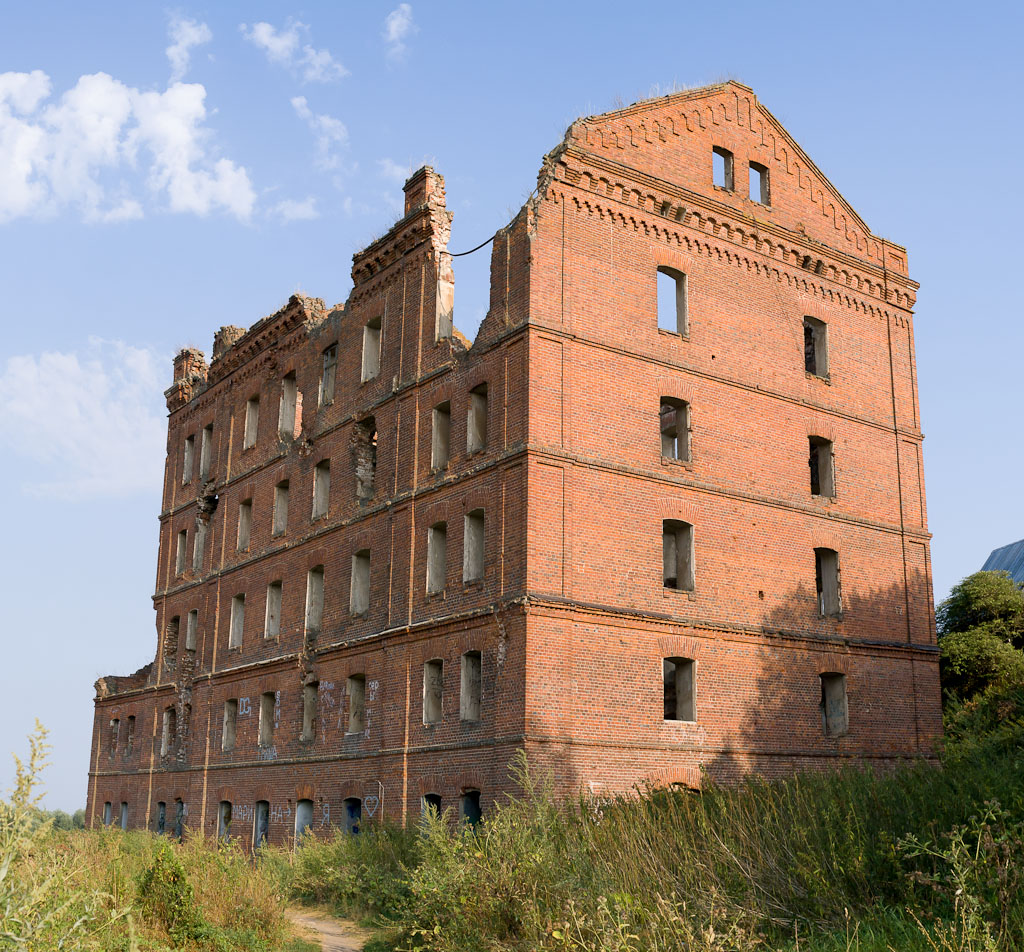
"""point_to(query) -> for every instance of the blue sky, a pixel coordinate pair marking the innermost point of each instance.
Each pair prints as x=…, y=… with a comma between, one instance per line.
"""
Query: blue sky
x=167, y=170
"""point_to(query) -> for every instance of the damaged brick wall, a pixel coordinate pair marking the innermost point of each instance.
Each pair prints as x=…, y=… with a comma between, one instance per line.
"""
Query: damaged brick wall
x=568, y=627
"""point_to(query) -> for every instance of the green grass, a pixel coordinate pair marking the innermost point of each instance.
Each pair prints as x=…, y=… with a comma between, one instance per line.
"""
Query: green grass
x=923, y=857
x=124, y=892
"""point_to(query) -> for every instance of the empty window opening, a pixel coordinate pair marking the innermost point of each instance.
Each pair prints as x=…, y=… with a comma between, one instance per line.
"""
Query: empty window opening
x=272, y=622
x=677, y=555
x=205, y=451
x=230, y=728
x=359, y=592
x=469, y=807
x=261, y=824
x=187, y=460
x=115, y=735
x=826, y=580
x=303, y=819
x=440, y=441
x=161, y=817
x=759, y=184
x=181, y=554
x=469, y=693
x=673, y=304
x=356, y=688
x=107, y=813
x=170, y=731
x=430, y=805
x=198, y=545
x=476, y=420
x=473, y=546
x=268, y=710
x=287, y=409
x=822, y=467
x=314, y=600
x=680, y=699
x=364, y=457
x=192, y=629
x=327, y=375
x=353, y=814
x=237, y=621
x=309, y=696
x=437, y=557
x=252, y=422
x=224, y=820
x=815, y=347
x=171, y=641
x=244, y=524
x=722, y=163
x=129, y=744
x=371, y=349
x=674, y=422
x=124, y=815
x=835, y=716
x=321, y=488
x=179, y=818
x=281, y=508
x=433, y=691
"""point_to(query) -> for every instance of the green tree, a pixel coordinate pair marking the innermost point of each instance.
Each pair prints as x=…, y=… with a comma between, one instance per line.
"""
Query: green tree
x=992, y=599
x=981, y=632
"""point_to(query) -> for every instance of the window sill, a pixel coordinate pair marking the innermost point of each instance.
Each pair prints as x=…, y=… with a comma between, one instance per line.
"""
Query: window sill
x=824, y=378
x=686, y=464
x=682, y=335
x=679, y=592
x=436, y=596
x=360, y=616
x=468, y=583
x=678, y=721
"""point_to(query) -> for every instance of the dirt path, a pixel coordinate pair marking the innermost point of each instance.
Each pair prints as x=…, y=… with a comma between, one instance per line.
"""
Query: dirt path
x=335, y=935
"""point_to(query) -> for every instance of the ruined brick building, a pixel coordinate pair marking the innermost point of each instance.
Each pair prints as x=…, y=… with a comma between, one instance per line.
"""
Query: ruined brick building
x=664, y=516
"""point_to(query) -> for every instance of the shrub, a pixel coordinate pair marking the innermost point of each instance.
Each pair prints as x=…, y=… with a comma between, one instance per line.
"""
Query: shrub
x=973, y=661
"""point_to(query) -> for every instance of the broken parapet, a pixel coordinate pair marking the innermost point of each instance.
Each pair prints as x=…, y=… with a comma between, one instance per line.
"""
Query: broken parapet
x=190, y=372
x=119, y=684
x=226, y=338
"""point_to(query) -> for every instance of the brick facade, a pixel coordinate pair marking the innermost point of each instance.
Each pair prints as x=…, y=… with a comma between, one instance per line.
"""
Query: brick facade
x=572, y=617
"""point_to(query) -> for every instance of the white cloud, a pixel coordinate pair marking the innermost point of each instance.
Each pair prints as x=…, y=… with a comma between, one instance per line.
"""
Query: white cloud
x=286, y=48
x=93, y=421
x=84, y=151
x=291, y=210
x=390, y=169
x=398, y=27
x=169, y=126
x=330, y=133
x=185, y=35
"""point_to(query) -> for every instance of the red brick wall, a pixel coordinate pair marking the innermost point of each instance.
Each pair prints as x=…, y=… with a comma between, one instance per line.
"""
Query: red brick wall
x=572, y=618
